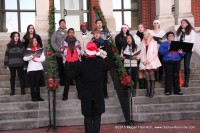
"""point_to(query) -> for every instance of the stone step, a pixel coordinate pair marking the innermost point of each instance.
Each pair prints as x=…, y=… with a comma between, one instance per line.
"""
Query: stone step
x=29, y=105
x=27, y=97
x=167, y=116
x=160, y=91
x=106, y=118
x=60, y=121
x=6, y=84
x=161, y=99
x=44, y=113
x=145, y=108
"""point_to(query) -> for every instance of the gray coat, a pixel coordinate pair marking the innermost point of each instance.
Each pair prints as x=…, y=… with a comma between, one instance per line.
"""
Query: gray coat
x=57, y=39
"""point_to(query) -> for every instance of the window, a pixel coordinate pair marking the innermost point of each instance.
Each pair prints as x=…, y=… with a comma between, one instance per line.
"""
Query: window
x=16, y=15
x=73, y=11
x=126, y=12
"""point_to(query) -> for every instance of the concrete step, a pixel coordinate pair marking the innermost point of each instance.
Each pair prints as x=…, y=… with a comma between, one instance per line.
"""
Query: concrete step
x=167, y=116
x=6, y=84
x=161, y=99
x=145, y=108
x=160, y=91
x=60, y=121
x=27, y=97
x=192, y=83
x=29, y=105
x=44, y=113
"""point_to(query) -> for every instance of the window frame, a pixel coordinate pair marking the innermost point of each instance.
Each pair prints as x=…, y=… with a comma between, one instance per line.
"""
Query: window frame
x=122, y=10
x=62, y=16
x=18, y=11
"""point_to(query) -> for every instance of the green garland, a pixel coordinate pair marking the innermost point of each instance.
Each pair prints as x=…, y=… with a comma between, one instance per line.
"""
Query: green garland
x=52, y=65
x=125, y=79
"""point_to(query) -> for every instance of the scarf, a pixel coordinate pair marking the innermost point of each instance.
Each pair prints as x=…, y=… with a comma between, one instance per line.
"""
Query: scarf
x=182, y=38
x=140, y=34
x=71, y=44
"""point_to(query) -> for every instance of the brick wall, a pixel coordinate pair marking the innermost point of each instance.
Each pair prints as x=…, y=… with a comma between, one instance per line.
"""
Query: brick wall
x=196, y=12
x=148, y=12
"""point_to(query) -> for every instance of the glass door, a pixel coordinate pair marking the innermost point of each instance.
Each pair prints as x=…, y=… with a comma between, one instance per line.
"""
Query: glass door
x=73, y=11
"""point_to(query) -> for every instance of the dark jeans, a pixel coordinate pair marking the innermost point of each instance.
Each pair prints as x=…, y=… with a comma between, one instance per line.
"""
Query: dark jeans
x=92, y=123
x=187, y=59
x=35, y=77
x=160, y=68
x=172, y=69
x=20, y=73
x=134, y=75
x=61, y=69
x=70, y=73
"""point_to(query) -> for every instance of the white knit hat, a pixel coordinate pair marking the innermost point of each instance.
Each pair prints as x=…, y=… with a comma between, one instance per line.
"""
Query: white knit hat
x=125, y=26
x=156, y=21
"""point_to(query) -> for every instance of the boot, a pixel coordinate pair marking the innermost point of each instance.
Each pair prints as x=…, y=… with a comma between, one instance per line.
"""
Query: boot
x=156, y=76
x=12, y=82
x=23, y=91
x=148, y=87
x=38, y=97
x=141, y=83
x=187, y=76
x=33, y=96
x=12, y=91
x=144, y=83
x=152, y=88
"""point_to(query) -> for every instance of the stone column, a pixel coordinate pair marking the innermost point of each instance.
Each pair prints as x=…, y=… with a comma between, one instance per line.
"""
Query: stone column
x=41, y=19
x=107, y=9
x=183, y=11
x=164, y=13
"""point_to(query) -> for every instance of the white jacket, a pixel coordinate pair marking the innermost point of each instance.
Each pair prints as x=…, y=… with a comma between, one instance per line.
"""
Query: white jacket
x=36, y=64
x=188, y=38
x=151, y=56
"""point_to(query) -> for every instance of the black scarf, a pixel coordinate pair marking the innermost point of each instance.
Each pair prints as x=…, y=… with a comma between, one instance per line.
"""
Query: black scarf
x=182, y=38
x=140, y=34
x=71, y=43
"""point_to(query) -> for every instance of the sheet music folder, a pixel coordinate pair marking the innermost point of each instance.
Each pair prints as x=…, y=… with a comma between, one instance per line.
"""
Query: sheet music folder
x=185, y=46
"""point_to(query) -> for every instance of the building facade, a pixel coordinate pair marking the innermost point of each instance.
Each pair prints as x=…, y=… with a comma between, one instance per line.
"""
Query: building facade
x=15, y=15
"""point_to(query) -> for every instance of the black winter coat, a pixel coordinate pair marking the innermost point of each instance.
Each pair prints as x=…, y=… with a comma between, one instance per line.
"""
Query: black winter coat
x=91, y=75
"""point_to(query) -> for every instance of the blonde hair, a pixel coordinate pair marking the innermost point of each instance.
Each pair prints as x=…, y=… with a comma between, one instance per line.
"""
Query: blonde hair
x=150, y=37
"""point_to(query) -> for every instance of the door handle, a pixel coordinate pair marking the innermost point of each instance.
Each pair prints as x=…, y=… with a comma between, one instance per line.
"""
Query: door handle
x=65, y=12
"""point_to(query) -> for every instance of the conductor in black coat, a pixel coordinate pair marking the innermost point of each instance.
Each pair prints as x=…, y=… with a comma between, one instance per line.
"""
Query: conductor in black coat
x=92, y=96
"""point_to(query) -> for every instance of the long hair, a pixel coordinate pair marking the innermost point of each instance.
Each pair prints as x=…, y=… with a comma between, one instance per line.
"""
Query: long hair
x=31, y=43
x=27, y=31
x=188, y=29
x=12, y=41
x=134, y=46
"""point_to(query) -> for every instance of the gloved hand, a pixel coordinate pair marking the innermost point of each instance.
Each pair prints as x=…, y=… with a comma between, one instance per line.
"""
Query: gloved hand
x=103, y=54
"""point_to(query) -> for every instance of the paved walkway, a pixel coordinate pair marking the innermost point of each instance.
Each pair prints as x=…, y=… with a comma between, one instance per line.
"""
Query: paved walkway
x=184, y=126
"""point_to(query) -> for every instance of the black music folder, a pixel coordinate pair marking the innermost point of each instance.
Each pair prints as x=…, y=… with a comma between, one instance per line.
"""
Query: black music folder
x=158, y=39
x=185, y=46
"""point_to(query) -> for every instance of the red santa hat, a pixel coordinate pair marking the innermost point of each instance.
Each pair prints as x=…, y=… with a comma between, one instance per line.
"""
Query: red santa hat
x=125, y=26
x=91, y=49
